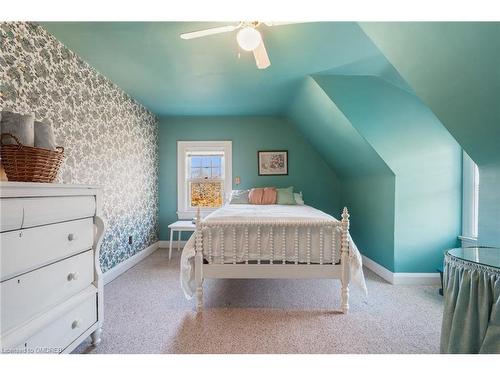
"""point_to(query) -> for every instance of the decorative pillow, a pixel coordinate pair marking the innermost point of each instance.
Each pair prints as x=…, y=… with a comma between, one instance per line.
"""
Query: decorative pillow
x=262, y=195
x=298, y=198
x=44, y=136
x=21, y=126
x=285, y=196
x=269, y=196
x=239, y=197
x=255, y=195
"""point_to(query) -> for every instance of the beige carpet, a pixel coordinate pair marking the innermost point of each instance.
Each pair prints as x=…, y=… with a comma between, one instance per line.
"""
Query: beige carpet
x=146, y=312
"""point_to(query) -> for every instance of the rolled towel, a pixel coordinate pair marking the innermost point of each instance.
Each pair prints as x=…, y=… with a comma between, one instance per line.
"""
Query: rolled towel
x=44, y=135
x=20, y=126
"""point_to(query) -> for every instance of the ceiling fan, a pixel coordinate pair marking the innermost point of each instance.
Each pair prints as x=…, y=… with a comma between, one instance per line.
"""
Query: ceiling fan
x=248, y=38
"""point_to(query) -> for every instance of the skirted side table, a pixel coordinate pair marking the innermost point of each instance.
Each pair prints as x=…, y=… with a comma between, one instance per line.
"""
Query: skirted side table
x=471, y=317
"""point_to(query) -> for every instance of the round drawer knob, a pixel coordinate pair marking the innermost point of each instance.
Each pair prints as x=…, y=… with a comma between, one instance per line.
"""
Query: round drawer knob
x=73, y=276
x=71, y=237
x=75, y=324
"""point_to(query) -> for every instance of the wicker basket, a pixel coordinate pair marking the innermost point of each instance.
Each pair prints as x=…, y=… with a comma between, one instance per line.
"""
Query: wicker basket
x=30, y=164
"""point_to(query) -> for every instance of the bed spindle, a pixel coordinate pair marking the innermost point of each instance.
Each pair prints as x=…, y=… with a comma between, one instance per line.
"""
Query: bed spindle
x=271, y=245
x=283, y=244
x=308, y=245
x=296, y=244
x=246, y=245
x=338, y=246
x=259, y=252
x=209, y=231
x=198, y=261
x=234, y=244
x=221, y=240
x=334, y=241
x=321, y=245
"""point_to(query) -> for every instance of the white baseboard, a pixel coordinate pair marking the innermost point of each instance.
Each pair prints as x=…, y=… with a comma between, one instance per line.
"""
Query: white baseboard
x=429, y=278
x=468, y=241
x=166, y=244
x=383, y=272
x=402, y=278
x=122, y=267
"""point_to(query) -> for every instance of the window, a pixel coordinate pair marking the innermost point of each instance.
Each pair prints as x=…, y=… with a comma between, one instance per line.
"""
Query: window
x=205, y=179
x=204, y=176
x=470, y=200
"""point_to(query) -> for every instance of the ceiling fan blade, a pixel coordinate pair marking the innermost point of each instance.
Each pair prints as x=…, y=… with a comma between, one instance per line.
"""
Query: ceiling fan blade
x=279, y=23
x=261, y=57
x=206, y=32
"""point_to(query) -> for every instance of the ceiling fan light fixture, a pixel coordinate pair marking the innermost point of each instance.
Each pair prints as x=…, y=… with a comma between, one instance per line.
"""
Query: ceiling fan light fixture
x=248, y=38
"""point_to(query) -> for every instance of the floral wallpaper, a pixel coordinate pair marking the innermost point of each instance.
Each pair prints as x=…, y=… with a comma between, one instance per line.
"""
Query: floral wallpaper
x=109, y=139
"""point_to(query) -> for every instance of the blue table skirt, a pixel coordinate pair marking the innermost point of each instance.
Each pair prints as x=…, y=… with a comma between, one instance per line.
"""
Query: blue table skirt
x=471, y=318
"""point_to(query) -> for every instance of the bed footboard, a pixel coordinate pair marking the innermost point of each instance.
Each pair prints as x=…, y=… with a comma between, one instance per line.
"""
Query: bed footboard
x=278, y=268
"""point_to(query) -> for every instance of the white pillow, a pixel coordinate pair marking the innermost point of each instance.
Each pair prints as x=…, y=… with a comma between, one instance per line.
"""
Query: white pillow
x=239, y=197
x=298, y=198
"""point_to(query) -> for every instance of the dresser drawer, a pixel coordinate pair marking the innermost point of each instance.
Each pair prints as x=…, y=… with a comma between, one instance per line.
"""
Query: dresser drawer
x=20, y=213
x=41, y=211
x=11, y=214
x=63, y=331
x=26, y=249
x=31, y=293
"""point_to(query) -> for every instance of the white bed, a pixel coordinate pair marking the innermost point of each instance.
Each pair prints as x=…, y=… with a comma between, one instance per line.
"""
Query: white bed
x=270, y=241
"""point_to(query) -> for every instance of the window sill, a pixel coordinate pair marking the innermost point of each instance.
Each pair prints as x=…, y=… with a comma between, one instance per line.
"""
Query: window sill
x=468, y=241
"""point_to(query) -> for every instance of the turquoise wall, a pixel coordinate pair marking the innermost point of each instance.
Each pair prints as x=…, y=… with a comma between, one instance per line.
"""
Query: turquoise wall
x=424, y=157
x=367, y=183
x=308, y=172
x=454, y=69
x=489, y=205
x=372, y=207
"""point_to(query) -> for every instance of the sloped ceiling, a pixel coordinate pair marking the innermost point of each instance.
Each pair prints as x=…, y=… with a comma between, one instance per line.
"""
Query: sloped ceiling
x=424, y=157
x=455, y=69
x=382, y=141
x=173, y=77
x=376, y=66
x=367, y=183
x=322, y=123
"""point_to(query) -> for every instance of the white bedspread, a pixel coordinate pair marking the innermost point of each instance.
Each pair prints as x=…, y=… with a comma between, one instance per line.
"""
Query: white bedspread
x=270, y=213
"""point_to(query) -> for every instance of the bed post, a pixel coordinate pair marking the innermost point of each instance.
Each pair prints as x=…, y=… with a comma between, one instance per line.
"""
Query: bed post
x=198, y=262
x=344, y=260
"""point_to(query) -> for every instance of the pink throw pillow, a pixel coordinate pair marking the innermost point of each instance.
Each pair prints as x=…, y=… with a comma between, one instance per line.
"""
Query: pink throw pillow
x=255, y=195
x=266, y=195
x=269, y=196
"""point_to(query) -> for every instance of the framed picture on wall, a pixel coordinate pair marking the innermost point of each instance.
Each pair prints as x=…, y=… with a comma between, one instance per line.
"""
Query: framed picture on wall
x=273, y=163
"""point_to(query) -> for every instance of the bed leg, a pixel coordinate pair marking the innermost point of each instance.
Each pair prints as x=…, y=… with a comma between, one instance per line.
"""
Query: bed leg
x=198, y=263
x=345, y=298
x=199, y=282
x=344, y=259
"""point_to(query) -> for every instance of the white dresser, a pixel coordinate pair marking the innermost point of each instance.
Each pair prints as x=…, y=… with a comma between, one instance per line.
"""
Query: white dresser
x=51, y=282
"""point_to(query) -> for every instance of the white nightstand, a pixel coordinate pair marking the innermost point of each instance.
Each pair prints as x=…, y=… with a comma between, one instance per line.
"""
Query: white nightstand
x=179, y=226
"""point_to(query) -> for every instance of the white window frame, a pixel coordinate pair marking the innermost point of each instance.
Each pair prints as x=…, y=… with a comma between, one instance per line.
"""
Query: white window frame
x=185, y=212
x=470, y=201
